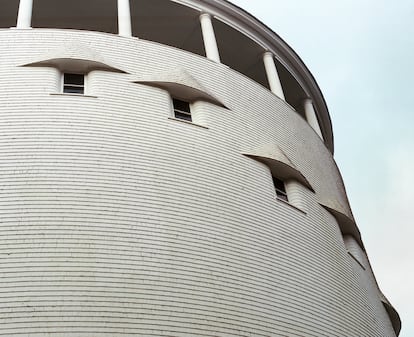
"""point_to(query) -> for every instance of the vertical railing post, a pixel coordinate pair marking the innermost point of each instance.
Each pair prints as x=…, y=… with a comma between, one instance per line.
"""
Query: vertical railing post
x=311, y=116
x=272, y=75
x=24, y=17
x=124, y=18
x=210, y=42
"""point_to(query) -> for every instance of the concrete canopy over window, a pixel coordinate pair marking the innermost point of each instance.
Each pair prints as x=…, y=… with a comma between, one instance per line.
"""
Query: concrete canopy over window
x=74, y=57
x=279, y=163
x=180, y=83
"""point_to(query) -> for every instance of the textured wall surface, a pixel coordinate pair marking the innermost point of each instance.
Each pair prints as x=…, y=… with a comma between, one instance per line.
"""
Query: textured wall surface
x=116, y=220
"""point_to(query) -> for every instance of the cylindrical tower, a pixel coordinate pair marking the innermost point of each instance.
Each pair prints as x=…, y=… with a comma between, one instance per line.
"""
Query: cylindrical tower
x=167, y=170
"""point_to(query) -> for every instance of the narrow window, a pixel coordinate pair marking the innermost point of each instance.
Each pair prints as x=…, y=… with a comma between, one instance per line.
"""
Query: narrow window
x=280, y=189
x=182, y=110
x=74, y=83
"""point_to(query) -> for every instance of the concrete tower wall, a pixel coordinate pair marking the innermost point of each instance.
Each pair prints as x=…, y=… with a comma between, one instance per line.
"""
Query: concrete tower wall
x=118, y=219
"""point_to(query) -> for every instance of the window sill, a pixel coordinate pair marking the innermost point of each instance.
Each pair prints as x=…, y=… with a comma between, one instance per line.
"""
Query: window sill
x=67, y=94
x=289, y=204
x=187, y=122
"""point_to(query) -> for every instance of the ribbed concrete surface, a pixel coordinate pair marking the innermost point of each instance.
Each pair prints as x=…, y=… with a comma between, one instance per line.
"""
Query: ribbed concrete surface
x=118, y=221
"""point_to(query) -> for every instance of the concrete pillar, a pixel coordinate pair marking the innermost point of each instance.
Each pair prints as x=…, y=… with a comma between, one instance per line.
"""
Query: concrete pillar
x=210, y=42
x=311, y=116
x=272, y=75
x=124, y=18
x=24, y=17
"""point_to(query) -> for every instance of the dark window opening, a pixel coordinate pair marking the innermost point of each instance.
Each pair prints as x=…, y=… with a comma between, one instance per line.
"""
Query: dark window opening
x=249, y=61
x=8, y=13
x=169, y=23
x=294, y=93
x=182, y=110
x=74, y=84
x=95, y=15
x=280, y=189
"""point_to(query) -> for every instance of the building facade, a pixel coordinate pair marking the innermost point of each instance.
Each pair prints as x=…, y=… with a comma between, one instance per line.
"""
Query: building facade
x=167, y=170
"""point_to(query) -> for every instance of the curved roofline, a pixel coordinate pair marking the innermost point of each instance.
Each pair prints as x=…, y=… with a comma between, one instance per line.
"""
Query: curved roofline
x=259, y=32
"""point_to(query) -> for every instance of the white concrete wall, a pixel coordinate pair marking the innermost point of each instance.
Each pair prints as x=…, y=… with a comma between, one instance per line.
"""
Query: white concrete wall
x=366, y=279
x=117, y=221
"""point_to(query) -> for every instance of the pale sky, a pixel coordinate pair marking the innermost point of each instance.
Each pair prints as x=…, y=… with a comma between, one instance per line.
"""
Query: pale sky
x=361, y=54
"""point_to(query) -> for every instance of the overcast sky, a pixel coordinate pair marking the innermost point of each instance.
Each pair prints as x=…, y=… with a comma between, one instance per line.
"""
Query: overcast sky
x=361, y=54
